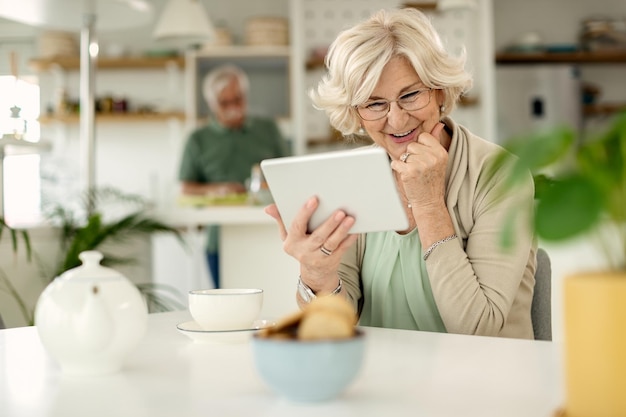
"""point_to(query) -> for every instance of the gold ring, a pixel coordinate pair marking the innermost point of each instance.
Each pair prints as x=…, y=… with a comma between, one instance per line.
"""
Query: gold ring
x=404, y=157
x=326, y=251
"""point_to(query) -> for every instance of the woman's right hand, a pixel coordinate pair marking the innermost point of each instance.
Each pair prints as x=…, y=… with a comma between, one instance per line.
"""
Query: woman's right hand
x=317, y=269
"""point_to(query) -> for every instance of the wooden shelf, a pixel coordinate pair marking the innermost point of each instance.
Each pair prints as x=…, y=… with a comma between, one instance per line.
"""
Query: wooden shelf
x=314, y=63
x=465, y=101
x=605, y=57
x=244, y=51
x=603, y=109
x=237, y=51
x=114, y=117
x=73, y=63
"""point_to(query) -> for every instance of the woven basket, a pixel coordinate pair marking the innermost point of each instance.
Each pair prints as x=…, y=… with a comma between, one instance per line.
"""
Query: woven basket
x=56, y=43
x=267, y=31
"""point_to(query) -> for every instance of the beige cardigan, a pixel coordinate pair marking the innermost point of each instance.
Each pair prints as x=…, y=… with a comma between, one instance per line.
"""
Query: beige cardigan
x=479, y=287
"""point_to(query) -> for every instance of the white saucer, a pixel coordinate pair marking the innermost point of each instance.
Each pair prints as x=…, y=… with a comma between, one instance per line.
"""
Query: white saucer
x=196, y=333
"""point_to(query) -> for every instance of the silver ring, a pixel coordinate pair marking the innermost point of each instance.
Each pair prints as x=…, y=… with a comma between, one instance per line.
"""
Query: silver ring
x=404, y=157
x=326, y=251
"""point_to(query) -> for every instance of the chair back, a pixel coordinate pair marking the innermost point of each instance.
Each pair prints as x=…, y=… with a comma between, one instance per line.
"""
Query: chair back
x=541, y=309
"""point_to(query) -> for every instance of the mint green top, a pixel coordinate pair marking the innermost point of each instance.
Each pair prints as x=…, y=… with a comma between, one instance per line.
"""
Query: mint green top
x=479, y=287
x=396, y=288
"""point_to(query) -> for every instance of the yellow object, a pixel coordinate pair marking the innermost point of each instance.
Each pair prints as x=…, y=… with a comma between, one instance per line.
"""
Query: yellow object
x=595, y=344
x=213, y=200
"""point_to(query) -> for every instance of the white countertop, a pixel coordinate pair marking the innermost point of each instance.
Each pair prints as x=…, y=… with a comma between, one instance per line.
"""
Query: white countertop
x=406, y=373
x=223, y=215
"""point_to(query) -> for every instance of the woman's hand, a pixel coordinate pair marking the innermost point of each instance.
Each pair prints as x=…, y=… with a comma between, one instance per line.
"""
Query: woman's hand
x=423, y=173
x=317, y=268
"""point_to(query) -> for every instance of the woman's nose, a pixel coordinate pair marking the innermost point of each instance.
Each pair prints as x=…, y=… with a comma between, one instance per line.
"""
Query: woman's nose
x=396, y=117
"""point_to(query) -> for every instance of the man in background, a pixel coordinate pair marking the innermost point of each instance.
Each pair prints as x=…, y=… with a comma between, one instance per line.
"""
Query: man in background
x=218, y=157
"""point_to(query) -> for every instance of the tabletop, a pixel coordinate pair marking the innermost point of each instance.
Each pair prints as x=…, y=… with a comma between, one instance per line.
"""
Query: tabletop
x=405, y=373
x=223, y=215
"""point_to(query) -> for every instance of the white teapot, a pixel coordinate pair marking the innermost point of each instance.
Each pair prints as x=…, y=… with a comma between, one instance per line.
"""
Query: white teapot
x=90, y=317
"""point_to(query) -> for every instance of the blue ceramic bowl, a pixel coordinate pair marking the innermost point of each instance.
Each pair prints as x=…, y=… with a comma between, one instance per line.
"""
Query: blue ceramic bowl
x=309, y=371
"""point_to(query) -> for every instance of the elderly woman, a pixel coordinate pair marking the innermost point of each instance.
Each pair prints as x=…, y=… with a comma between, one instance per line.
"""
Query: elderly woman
x=448, y=272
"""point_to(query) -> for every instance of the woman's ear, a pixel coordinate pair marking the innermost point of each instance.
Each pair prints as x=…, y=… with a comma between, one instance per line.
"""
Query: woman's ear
x=441, y=98
x=441, y=101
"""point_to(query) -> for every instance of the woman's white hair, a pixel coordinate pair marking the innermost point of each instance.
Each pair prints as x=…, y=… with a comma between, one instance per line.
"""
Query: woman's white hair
x=216, y=80
x=356, y=59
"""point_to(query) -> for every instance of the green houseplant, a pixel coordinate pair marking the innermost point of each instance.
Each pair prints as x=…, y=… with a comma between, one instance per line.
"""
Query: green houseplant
x=580, y=184
x=16, y=235
x=97, y=220
x=105, y=216
x=581, y=191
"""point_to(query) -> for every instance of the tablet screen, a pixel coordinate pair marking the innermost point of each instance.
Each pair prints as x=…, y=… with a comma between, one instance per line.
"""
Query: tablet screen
x=359, y=181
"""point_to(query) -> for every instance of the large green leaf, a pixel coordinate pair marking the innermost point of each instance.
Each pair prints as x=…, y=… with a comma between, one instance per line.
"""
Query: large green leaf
x=603, y=160
x=128, y=216
x=542, y=149
x=569, y=207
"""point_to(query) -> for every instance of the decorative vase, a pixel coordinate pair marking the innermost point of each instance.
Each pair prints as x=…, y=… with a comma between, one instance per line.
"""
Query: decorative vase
x=595, y=344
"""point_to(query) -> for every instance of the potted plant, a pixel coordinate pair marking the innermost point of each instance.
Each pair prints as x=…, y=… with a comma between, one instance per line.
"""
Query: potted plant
x=104, y=216
x=581, y=191
x=5, y=283
x=97, y=219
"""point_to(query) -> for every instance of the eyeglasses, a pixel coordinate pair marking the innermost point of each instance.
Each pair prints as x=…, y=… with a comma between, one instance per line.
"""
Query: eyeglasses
x=412, y=101
x=235, y=101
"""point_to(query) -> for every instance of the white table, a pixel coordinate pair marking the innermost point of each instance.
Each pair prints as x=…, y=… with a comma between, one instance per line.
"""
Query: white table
x=406, y=373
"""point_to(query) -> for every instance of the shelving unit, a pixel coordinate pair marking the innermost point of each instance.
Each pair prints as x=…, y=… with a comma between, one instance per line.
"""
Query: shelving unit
x=64, y=65
x=579, y=58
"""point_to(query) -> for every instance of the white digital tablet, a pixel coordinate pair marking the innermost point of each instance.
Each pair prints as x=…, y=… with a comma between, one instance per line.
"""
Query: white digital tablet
x=359, y=181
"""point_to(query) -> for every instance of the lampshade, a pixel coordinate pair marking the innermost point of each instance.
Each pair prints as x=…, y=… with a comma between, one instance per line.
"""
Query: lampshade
x=184, y=21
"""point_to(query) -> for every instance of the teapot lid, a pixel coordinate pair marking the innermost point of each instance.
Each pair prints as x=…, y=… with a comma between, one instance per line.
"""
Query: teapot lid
x=91, y=268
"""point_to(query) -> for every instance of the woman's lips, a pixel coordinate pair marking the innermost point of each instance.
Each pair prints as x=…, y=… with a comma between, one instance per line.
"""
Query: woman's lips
x=403, y=138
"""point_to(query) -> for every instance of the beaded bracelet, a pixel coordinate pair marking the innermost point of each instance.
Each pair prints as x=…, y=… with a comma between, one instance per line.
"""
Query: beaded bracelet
x=437, y=243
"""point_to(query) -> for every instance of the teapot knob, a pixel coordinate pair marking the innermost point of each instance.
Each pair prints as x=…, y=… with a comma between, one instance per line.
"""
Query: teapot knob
x=94, y=327
x=90, y=257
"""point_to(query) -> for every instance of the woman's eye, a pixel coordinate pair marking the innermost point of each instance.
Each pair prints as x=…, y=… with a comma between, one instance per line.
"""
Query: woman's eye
x=410, y=96
x=377, y=105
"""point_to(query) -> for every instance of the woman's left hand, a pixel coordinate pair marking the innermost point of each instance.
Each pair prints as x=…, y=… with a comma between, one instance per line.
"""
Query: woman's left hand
x=423, y=173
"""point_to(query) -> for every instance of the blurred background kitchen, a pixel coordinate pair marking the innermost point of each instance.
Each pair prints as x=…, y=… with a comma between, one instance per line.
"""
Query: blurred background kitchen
x=536, y=64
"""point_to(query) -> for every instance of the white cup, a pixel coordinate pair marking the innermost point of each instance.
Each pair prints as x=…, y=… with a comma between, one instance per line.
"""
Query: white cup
x=225, y=308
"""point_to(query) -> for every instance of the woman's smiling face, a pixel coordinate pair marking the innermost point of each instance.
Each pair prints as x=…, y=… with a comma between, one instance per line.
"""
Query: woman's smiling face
x=400, y=127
